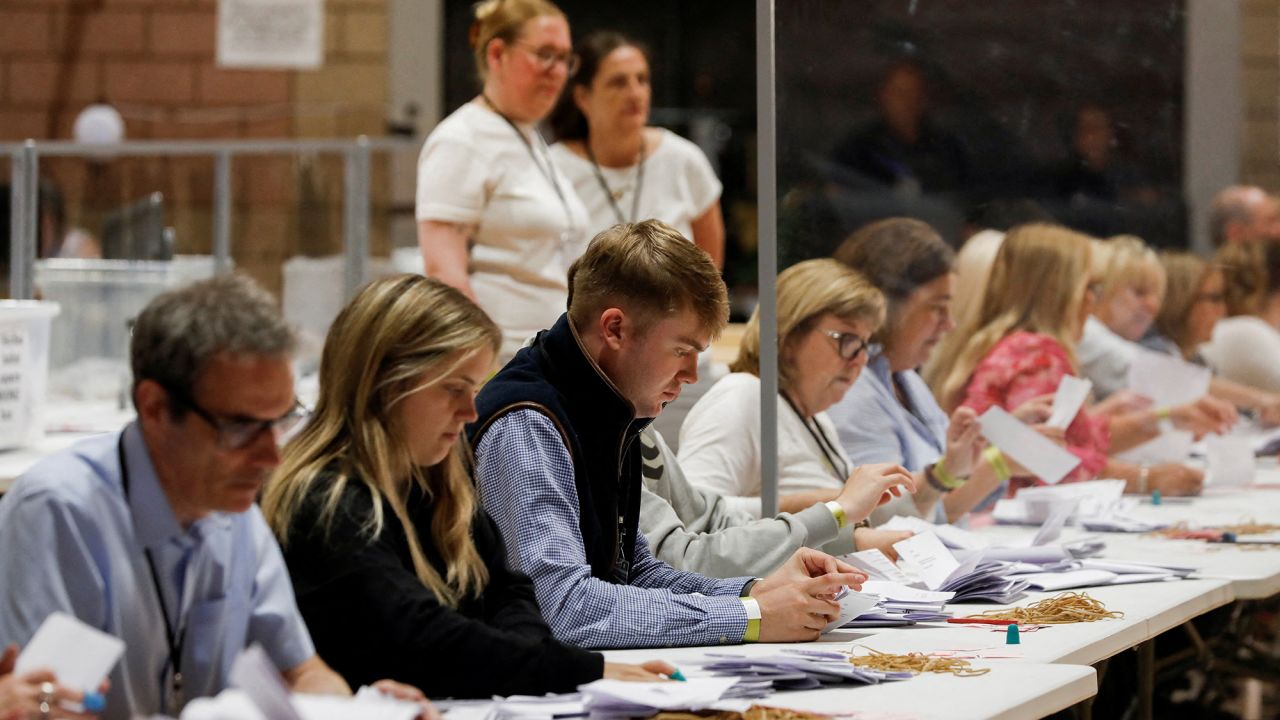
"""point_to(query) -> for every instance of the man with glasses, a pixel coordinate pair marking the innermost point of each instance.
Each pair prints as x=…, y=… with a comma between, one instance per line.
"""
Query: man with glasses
x=151, y=534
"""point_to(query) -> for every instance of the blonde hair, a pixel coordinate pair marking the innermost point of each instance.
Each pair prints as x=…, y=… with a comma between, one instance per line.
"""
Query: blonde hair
x=806, y=291
x=1125, y=261
x=1036, y=285
x=1184, y=275
x=503, y=20
x=650, y=271
x=396, y=332
x=973, y=270
x=1251, y=274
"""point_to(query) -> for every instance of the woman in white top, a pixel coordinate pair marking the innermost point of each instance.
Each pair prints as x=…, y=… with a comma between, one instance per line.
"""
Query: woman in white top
x=827, y=313
x=1246, y=345
x=496, y=218
x=623, y=170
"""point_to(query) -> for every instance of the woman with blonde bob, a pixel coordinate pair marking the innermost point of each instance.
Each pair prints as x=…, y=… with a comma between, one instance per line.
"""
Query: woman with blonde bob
x=1246, y=343
x=1193, y=304
x=1023, y=341
x=826, y=316
x=397, y=569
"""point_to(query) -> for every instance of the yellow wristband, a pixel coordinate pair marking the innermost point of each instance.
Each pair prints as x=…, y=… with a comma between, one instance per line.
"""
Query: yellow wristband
x=944, y=476
x=996, y=460
x=1164, y=413
x=837, y=512
x=753, y=620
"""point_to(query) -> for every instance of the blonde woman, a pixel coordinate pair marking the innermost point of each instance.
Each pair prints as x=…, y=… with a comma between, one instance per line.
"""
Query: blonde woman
x=1133, y=286
x=1193, y=304
x=972, y=268
x=1246, y=344
x=398, y=570
x=826, y=316
x=497, y=219
x=1040, y=292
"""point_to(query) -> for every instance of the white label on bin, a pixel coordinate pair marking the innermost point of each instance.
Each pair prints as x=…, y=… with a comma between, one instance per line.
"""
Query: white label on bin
x=14, y=344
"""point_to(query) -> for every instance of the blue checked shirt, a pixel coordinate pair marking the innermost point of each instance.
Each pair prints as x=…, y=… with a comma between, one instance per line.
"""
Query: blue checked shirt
x=526, y=481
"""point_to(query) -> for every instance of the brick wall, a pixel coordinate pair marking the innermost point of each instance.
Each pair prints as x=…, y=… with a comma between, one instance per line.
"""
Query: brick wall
x=1260, y=49
x=154, y=61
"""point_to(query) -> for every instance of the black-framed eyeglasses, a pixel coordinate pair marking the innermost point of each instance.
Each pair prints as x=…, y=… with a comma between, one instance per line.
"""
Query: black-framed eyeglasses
x=237, y=433
x=548, y=58
x=850, y=345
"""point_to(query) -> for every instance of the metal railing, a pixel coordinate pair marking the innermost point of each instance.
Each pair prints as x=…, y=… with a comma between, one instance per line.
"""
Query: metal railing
x=24, y=176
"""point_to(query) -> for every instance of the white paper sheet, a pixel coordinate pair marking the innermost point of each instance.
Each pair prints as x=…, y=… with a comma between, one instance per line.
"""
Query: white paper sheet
x=902, y=593
x=953, y=537
x=852, y=604
x=932, y=560
x=1032, y=450
x=81, y=656
x=1071, y=394
x=693, y=694
x=1231, y=461
x=877, y=565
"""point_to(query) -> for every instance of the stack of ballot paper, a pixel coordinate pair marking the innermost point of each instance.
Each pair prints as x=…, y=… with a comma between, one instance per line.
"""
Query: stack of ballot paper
x=798, y=669
x=619, y=699
x=967, y=573
x=1096, y=573
x=1099, y=506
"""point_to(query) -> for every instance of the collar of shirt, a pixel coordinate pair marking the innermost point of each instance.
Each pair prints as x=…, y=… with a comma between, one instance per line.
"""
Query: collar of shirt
x=154, y=521
x=928, y=420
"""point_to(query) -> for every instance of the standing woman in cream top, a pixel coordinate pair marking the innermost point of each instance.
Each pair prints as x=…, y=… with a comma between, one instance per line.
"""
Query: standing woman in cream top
x=623, y=170
x=496, y=218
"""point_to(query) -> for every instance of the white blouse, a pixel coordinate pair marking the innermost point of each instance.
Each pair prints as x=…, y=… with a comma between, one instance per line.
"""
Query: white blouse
x=475, y=171
x=1245, y=349
x=678, y=185
x=720, y=446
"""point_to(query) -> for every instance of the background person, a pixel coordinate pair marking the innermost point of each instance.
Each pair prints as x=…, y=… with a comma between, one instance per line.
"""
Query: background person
x=496, y=218
x=624, y=170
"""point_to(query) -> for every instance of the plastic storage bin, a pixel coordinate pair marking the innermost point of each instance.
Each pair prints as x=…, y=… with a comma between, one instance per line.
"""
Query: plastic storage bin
x=100, y=297
x=24, y=370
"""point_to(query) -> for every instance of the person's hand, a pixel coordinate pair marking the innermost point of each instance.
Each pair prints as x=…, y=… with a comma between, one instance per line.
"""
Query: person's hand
x=408, y=693
x=798, y=611
x=1035, y=411
x=806, y=563
x=21, y=696
x=964, y=443
x=1204, y=416
x=1174, y=479
x=652, y=671
x=1122, y=402
x=882, y=540
x=1267, y=409
x=871, y=486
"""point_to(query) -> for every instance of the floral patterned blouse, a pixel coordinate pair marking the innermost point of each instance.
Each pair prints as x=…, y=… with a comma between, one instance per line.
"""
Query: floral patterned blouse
x=1025, y=365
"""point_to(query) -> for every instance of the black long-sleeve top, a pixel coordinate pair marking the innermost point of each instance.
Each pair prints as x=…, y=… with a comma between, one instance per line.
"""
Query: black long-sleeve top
x=372, y=618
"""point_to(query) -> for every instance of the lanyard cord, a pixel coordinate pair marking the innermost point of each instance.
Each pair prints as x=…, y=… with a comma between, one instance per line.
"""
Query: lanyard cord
x=177, y=640
x=608, y=192
x=827, y=447
x=548, y=172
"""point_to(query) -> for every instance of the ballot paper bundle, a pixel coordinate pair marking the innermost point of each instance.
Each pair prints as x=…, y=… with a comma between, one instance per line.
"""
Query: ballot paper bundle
x=887, y=604
x=608, y=699
x=1098, y=506
x=1096, y=573
x=798, y=669
x=969, y=574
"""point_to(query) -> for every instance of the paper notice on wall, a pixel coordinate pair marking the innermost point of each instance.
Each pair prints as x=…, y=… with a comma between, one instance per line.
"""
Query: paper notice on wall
x=15, y=345
x=271, y=33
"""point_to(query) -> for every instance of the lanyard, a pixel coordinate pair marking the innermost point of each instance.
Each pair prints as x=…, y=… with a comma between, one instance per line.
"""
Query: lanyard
x=175, y=640
x=548, y=172
x=608, y=192
x=827, y=447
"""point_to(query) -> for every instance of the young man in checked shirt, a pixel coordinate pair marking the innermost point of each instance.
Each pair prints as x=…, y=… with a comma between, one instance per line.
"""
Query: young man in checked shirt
x=558, y=459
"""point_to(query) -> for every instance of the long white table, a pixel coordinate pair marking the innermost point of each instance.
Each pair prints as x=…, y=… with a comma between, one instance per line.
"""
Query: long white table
x=1011, y=690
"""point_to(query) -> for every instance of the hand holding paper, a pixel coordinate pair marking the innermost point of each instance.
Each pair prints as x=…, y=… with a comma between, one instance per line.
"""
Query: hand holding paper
x=1028, y=448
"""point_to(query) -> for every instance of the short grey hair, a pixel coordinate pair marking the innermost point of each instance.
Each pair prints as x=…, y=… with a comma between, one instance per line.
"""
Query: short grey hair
x=180, y=331
x=1230, y=205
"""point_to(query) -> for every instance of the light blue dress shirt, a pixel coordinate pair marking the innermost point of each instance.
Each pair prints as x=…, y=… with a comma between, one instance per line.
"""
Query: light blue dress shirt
x=525, y=476
x=73, y=542
x=875, y=428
